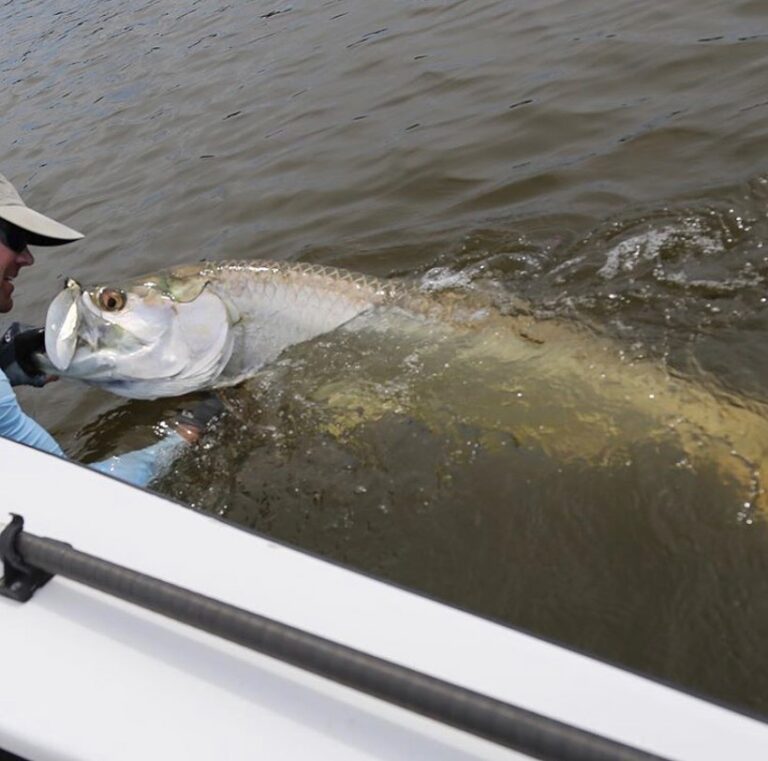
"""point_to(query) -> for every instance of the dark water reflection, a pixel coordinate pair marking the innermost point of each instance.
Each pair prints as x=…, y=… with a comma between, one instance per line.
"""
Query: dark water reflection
x=604, y=161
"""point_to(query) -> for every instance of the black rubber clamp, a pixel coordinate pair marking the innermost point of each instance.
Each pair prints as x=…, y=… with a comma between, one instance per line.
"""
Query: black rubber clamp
x=20, y=581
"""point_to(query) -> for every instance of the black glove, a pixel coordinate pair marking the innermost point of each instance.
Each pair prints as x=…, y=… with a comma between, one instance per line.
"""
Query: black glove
x=17, y=346
x=200, y=415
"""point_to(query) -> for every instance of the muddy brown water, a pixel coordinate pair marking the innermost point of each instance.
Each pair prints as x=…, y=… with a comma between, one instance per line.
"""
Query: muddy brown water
x=604, y=161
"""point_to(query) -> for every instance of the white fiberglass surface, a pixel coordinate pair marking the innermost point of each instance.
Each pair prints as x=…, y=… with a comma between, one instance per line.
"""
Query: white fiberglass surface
x=82, y=660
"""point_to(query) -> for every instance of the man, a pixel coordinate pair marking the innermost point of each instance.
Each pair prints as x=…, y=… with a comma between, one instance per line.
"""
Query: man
x=21, y=227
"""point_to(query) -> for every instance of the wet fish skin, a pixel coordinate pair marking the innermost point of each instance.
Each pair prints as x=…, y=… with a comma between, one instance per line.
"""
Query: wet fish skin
x=632, y=398
x=280, y=304
x=271, y=306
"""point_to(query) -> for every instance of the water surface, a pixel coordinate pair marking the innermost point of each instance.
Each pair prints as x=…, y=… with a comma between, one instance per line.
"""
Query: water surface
x=603, y=161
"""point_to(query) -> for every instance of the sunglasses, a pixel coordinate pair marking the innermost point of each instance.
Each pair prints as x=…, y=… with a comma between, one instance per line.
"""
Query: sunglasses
x=12, y=237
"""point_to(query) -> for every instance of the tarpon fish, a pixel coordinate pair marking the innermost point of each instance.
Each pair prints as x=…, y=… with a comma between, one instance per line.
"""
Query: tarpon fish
x=215, y=324
x=199, y=326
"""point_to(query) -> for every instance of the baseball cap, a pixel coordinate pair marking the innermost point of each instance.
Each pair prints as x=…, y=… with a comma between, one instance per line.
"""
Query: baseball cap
x=41, y=230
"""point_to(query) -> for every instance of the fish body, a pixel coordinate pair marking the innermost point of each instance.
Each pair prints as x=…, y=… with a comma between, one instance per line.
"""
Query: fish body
x=215, y=324
x=199, y=326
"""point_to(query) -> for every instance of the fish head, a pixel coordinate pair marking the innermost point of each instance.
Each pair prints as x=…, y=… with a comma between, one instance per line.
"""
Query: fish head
x=161, y=335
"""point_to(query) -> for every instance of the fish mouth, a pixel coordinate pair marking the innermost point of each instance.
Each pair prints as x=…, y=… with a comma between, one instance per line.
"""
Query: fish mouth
x=62, y=323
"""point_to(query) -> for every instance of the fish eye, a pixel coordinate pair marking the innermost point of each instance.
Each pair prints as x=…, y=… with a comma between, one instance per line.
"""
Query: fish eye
x=111, y=299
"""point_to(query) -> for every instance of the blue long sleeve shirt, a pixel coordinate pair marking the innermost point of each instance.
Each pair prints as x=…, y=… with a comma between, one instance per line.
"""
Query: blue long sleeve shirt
x=138, y=467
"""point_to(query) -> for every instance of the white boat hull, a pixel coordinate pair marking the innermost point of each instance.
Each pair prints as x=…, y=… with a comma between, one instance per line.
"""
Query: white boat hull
x=87, y=676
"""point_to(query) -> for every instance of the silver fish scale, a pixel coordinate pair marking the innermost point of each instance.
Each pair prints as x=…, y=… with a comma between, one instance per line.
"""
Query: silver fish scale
x=352, y=284
x=339, y=284
x=280, y=304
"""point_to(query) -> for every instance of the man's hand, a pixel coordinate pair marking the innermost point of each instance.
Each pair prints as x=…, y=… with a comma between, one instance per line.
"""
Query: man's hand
x=17, y=346
x=193, y=421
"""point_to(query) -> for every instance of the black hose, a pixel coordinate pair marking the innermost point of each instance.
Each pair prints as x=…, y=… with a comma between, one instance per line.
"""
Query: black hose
x=524, y=731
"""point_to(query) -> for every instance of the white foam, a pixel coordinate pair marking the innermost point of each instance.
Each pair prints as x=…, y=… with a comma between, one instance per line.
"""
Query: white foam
x=644, y=247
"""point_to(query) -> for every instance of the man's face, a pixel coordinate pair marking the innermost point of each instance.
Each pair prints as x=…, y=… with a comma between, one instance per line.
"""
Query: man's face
x=10, y=263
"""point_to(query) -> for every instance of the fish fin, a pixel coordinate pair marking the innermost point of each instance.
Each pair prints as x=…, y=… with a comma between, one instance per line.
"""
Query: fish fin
x=185, y=289
x=184, y=284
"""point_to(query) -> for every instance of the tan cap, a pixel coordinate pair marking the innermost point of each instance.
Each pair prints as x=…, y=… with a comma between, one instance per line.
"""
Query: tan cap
x=41, y=230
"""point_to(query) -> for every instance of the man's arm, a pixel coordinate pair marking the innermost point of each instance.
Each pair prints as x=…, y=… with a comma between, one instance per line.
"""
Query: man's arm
x=14, y=424
x=139, y=467
x=142, y=466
